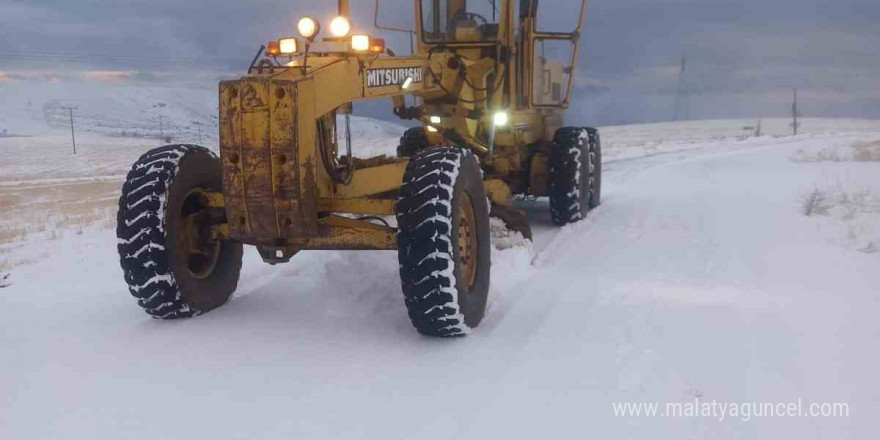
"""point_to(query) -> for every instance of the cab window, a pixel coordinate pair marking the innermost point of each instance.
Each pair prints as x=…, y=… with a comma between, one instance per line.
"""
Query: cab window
x=460, y=21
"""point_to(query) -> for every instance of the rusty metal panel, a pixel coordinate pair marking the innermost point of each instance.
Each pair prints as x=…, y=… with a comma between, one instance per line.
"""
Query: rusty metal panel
x=230, y=153
x=259, y=143
x=373, y=180
x=256, y=158
x=285, y=170
x=310, y=185
x=350, y=234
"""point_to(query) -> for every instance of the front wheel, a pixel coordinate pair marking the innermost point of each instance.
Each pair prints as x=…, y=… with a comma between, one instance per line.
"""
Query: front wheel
x=444, y=242
x=171, y=264
x=575, y=174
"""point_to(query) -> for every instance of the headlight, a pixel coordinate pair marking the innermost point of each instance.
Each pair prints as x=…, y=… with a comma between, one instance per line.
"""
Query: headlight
x=500, y=119
x=274, y=48
x=435, y=119
x=340, y=27
x=377, y=45
x=308, y=27
x=288, y=46
x=360, y=43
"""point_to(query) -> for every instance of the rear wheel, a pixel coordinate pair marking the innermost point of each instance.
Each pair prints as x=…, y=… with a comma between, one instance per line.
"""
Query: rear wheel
x=171, y=264
x=413, y=139
x=444, y=242
x=595, y=156
x=575, y=167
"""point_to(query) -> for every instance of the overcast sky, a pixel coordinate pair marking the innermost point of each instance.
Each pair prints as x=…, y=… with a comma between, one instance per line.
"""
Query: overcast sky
x=744, y=57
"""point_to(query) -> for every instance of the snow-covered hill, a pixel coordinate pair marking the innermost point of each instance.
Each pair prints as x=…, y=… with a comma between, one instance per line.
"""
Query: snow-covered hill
x=110, y=104
x=717, y=268
x=117, y=120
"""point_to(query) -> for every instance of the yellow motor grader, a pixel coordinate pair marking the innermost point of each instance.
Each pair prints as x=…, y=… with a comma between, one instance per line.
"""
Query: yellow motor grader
x=490, y=86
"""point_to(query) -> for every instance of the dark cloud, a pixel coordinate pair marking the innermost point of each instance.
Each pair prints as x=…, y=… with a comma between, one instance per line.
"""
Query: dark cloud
x=744, y=57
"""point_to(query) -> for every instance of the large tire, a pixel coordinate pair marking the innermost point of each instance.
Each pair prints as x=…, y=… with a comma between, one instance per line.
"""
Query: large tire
x=413, y=139
x=169, y=281
x=595, y=149
x=574, y=174
x=444, y=242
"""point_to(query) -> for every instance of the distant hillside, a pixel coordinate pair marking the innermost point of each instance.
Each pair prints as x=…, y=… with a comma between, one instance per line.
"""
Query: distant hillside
x=176, y=111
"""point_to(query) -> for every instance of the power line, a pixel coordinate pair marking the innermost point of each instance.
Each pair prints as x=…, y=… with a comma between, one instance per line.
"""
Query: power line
x=60, y=56
x=40, y=54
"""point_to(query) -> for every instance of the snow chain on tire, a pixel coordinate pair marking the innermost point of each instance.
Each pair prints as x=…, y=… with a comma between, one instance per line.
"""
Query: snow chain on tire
x=142, y=230
x=575, y=167
x=442, y=184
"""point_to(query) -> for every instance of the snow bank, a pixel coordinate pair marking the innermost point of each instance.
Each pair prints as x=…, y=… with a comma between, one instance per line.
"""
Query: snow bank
x=699, y=276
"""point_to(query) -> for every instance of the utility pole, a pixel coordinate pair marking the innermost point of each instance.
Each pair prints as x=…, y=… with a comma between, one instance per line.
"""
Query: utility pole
x=72, y=133
x=199, y=125
x=794, y=113
x=679, y=94
x=160, y=106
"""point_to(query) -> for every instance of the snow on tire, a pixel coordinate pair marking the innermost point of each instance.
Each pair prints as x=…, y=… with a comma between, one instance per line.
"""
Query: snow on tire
x=444, y=241
x=574, y=174
x=595, y=163
x=155, y=197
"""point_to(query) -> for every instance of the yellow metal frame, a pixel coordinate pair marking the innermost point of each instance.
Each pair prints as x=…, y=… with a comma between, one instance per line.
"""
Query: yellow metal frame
x=278, y=193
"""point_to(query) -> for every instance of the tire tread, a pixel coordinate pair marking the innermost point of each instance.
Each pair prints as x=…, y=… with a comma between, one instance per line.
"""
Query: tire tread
x=424, y=216
x=141, y=232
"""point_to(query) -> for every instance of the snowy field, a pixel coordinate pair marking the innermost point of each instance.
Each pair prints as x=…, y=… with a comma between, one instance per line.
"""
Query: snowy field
x=739, y=270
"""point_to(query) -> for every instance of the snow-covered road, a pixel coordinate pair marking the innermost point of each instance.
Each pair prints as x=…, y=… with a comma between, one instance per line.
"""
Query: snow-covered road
x=698, y=277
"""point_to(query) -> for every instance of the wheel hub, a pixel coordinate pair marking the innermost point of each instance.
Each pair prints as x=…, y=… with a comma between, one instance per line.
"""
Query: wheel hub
x=200, y=252
x=467, y=243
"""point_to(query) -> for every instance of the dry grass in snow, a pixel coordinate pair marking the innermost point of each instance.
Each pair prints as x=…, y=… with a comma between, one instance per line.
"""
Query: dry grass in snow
x=856, y=213
x=860, y=151
x=45, y=212
x=866, y=151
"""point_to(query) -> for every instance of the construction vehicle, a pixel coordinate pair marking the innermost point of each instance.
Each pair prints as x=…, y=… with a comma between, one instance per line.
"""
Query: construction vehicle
x=489, y=98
